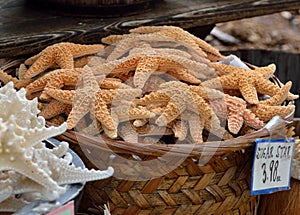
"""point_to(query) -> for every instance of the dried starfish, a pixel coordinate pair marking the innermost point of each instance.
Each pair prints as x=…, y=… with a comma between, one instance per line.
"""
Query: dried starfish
x=235, y=111
x=179, y=34
x=5, y=78
x=62, y=54
x=54, y=108
x=181, y=99
x=249, y=82
x=269, y=108
x=124, y=113
x=145, y=65
x=174, y=33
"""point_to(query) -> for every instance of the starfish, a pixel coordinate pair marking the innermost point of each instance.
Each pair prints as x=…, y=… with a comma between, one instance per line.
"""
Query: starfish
x=62, y=54
x=174, y=33
x=181, y=99
x=249, y=82
x=181, y=35
x=96, y=102
x=269, y=108
x=145, y=65
x=5, y=78
x=55, y=79
x=235, y=110
x=54, y=108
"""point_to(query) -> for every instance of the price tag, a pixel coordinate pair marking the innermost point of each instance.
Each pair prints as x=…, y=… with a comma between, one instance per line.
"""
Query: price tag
x=67, y=209
x=272, y=166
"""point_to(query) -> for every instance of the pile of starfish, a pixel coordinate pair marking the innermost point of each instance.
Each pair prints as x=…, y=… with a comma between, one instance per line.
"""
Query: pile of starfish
x=154, y=81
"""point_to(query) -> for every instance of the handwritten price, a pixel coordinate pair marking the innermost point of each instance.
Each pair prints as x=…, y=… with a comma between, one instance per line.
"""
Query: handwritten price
x=273, y=171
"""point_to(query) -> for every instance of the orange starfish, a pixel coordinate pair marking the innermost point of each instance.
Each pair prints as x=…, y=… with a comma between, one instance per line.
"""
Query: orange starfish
x=173, y=33
x=249, y=82
x=145, y=65
x=269, y=108
x=62, y=54
x=234, y=109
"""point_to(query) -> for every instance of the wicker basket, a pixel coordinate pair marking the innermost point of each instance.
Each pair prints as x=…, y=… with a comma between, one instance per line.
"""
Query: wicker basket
x=220, y=185
x=209, y=178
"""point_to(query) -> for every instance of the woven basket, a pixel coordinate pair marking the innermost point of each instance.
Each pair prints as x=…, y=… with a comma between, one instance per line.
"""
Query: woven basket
x=209, y=178
x=220, y=185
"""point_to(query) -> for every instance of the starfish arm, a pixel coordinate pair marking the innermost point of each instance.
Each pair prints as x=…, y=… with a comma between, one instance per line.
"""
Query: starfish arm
x=74, y=174
x=103, y=115
x=63, y=96
x=247, y=89
x=79, y=50
x=235, y=121
x=280, y=96
x=198, y=69
x=5, y=78
x=62, y=77
x=180, y=129
x=52, y=109
x=38, y=84
x=127, y=113
x=63, y=57
x=81, y=106
x=266, y=71
x=264, y=86
x=31, y=170
x=111, y=133
x=32, y=59
x=207, y=93
x=170, y=113
x=113, y=83
x=140, y=122
x=111, y=39
x=196, y=126
x=94, y=128
x=61, y=149
x=219, y=107
x=153, y=97
x=184, y=75
x=252, y=120
x=122, y=95
x=36, y=135
x=45, y=60
x=21, y=71
x=265, y=112
x=127, y=133
x=144, y=69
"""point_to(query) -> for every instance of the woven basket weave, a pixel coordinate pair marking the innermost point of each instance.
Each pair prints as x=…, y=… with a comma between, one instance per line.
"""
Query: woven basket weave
x=219, y=186
x=211, y=178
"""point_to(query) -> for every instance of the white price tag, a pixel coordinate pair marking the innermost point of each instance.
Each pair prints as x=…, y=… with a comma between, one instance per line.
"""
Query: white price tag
x=272, y=165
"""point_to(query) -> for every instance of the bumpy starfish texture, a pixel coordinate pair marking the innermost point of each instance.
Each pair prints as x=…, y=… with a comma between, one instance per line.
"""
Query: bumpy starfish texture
x=54, y=108
x=181, y=99
x=145, y=65
x=269, y=108
x=62, y=54
x=5, y=78
x=179, y=34
x=249, y=82
x=235, y=111
x=168, y=32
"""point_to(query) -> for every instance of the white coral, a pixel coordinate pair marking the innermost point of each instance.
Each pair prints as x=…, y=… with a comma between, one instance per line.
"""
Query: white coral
x=27, y=168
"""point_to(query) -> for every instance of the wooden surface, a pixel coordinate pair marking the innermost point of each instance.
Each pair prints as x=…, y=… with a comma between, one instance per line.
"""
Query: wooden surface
x=25, y=29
